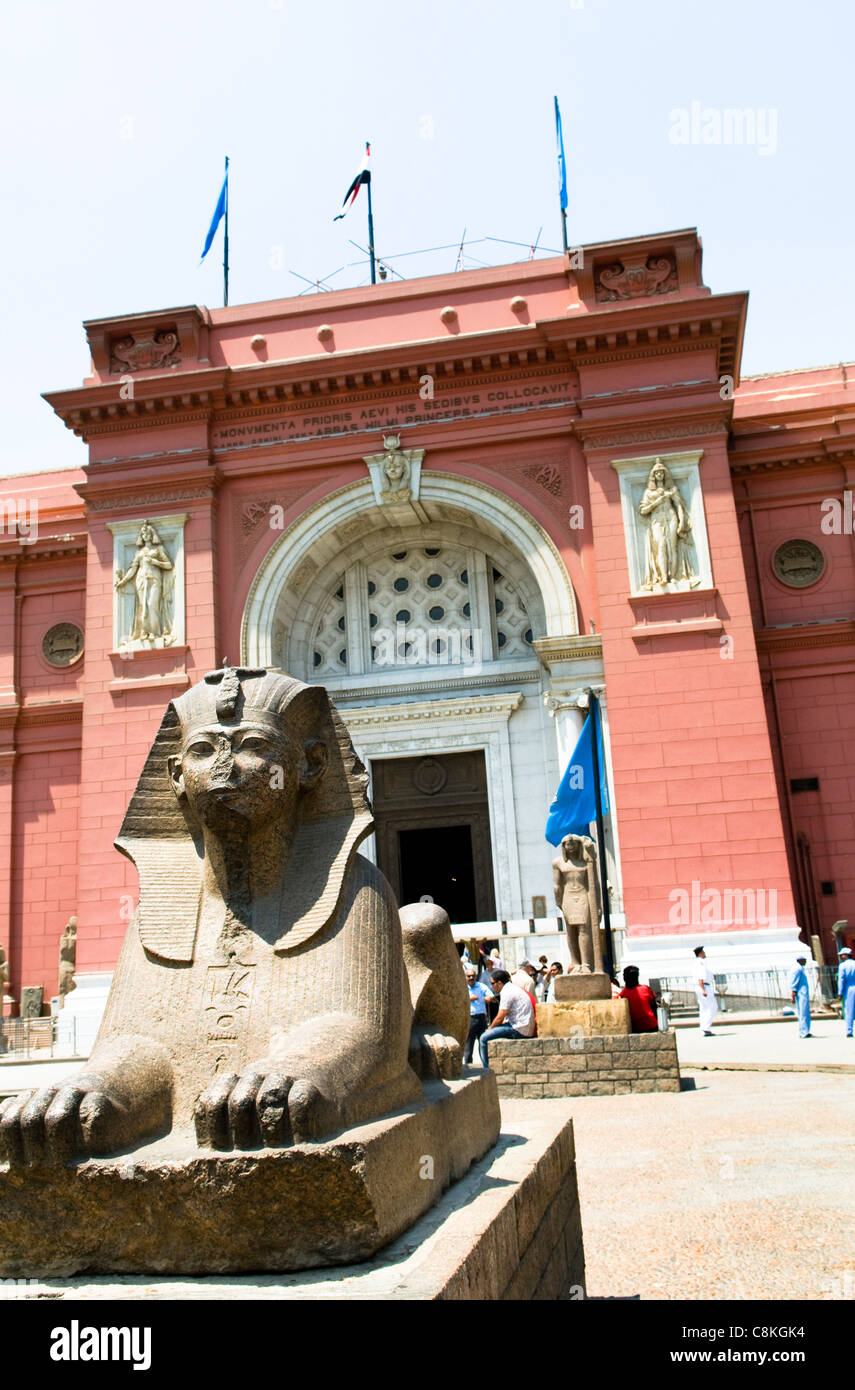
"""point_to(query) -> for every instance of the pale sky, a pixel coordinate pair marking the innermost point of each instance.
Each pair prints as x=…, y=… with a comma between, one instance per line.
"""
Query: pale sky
x=117, y=118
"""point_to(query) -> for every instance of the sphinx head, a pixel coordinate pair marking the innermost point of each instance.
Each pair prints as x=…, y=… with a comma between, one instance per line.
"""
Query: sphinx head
x=245, y=750
x=251, y=746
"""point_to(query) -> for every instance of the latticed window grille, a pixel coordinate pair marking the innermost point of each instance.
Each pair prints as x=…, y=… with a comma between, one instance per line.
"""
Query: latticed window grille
x=419, y=608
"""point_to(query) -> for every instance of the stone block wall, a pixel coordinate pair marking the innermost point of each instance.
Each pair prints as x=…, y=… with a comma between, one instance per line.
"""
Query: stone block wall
x=545, y=1068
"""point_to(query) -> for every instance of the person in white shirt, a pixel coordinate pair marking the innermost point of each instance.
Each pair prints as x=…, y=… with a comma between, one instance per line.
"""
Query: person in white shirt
x=705, y=991
x=555, y=969
x=515, y=1018
x=525, y=976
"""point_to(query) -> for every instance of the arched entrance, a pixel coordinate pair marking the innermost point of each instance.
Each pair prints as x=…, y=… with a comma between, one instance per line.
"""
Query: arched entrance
x=426, y=636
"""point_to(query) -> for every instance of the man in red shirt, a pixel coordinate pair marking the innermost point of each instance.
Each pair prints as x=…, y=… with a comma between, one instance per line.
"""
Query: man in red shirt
x=642, y=1002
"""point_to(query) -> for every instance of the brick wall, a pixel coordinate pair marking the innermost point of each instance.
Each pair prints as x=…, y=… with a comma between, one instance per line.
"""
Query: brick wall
x=542, y=1068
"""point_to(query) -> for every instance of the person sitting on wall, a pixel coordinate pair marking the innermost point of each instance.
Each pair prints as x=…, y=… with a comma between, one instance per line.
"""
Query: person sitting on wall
x=515, y=1019
x=526, y=978
x=641, y=1000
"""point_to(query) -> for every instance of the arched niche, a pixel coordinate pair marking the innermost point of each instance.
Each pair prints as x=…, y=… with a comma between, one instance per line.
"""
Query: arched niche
x=298, y=575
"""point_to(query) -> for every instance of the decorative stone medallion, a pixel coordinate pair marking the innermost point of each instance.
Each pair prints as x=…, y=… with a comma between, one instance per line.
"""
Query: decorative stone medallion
x=62, y=644
x=430, y=777
x=798, y=563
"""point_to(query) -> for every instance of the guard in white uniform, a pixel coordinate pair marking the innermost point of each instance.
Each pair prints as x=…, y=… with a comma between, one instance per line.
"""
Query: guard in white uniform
x=705, y=990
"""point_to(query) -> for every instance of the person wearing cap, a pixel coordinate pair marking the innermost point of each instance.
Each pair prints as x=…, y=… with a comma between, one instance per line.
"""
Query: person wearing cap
x=526, y=978
x=800, y=994
x=705, y=991
x=846, y=987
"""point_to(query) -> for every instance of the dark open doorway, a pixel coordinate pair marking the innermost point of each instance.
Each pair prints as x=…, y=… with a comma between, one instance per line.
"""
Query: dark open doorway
x=433, y=831
x=437, y=862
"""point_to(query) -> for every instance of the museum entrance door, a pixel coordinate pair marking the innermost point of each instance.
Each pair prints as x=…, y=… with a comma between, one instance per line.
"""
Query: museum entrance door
x=433, y=832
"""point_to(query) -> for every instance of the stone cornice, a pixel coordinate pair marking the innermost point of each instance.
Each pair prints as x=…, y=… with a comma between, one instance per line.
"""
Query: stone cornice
x=577, y=647
x=390, y=693
x=773, y=460
x=610, y=435
x=637, y=328
x=34, y=713
x=149, y=481
x=45, y=548
x=492, y=707
x=804, y=637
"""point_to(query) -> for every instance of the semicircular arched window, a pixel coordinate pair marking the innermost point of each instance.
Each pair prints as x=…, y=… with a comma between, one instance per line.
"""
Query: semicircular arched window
x=461, y=610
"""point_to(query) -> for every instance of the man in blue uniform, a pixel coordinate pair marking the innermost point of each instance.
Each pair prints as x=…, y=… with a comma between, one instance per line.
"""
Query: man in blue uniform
x=800, y=995
x=846, y=987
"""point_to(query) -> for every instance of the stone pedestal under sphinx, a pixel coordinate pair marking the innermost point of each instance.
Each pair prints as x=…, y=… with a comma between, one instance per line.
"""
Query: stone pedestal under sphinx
x=170, y=1207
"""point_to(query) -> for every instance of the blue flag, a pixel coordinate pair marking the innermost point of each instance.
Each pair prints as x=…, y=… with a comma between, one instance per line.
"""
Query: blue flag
x=562, y=165
x=575, y=804
x=219, y=213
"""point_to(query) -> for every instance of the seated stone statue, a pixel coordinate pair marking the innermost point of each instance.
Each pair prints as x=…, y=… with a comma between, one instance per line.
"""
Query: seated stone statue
x=262, y=996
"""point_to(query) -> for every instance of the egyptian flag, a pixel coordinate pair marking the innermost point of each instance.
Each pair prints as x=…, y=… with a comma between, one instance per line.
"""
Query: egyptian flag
x=363, y=176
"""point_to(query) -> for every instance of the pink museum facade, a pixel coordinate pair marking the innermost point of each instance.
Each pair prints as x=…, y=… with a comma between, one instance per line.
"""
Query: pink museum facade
x=439, y=498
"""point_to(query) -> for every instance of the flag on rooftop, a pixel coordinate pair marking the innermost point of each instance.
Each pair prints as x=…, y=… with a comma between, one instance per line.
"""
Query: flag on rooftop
x=219, y=213
x=363, y=176
x=562, y=163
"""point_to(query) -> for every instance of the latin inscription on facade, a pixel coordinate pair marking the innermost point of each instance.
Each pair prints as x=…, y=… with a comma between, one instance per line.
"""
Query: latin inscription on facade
x=394, y=413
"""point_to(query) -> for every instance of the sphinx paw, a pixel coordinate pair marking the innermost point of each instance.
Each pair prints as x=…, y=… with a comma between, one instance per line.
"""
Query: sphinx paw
x=435, y=1056
x=59, y=1123
x=261, y=1107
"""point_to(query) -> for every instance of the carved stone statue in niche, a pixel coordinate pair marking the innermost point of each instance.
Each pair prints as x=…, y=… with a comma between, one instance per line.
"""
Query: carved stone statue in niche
x=153, y=576
x=268, y=994
x=668, y=548
x=396, y=470
x=67, y=959
x=577, y=893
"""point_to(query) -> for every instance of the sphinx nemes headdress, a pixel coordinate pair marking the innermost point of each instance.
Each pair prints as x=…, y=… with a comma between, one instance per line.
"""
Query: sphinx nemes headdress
x=160, y=835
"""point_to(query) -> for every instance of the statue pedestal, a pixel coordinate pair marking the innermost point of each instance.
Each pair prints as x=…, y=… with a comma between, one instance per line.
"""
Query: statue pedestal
x=587, y=1018
x=172, y=1208
x=570, y=988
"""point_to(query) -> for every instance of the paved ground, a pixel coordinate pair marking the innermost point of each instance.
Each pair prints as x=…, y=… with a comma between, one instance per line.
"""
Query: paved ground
x=767, y=1044
x=740, y=1189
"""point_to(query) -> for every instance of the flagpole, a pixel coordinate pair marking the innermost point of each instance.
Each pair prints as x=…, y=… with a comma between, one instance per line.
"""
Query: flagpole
x=371, y=228
x=562, y=165
x=594, y=707
x=226, y=244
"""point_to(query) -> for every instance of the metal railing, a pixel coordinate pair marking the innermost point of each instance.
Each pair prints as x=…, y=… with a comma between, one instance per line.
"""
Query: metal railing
x=749, y=991
x=23, y=1038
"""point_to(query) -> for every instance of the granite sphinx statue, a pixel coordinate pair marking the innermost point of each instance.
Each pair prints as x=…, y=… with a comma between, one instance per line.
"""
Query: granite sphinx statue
x=268, y=992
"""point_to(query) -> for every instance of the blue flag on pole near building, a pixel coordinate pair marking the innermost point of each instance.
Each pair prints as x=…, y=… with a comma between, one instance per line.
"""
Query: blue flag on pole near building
x=562, y=164
x=575, y=804
x=219, y=213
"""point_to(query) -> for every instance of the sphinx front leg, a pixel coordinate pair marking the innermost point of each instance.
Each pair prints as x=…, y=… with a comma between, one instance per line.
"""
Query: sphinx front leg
x=123, y=1096
x=298, y=1093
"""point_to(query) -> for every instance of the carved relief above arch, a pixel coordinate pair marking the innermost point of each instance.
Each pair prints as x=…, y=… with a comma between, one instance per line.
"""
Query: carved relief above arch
x=302, y=573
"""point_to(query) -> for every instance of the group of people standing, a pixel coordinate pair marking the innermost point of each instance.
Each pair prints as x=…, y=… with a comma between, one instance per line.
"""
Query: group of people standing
x=799, y=986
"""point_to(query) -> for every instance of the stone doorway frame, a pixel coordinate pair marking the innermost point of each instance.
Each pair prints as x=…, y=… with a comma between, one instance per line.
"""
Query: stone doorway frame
x=421, y=812
x=473, y=723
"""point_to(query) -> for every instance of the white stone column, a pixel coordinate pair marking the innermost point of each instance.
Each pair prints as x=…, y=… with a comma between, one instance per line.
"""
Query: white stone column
x=482, y=613
x=356, y=619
